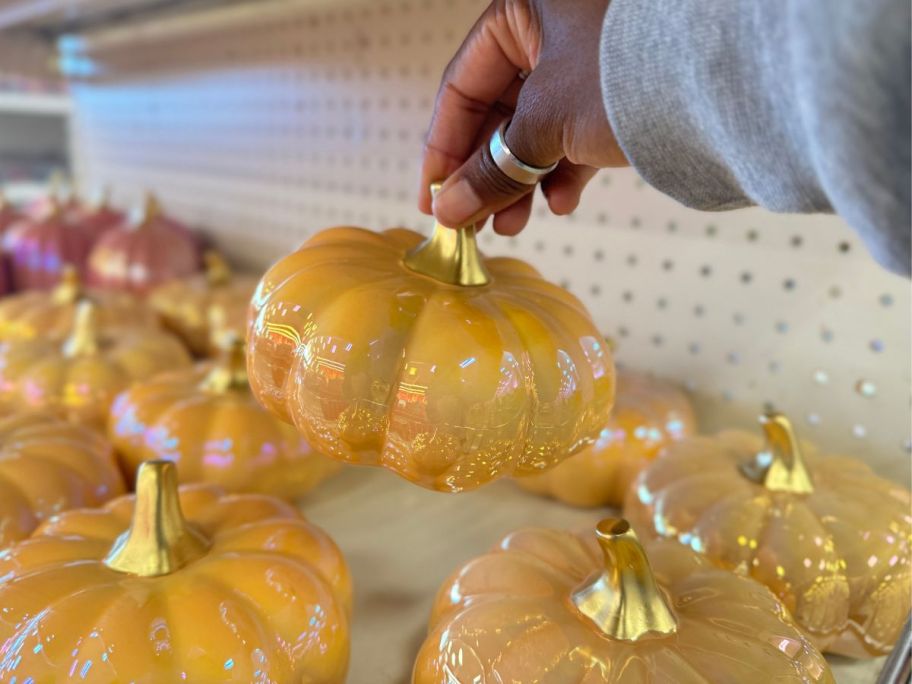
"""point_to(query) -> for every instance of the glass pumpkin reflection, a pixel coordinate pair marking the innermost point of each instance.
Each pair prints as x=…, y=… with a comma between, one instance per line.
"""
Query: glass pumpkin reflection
x=48, y=466
x=827, y=535
x=51, y=314
x=648, y=414
x=176, y=585
x=79, y=377
x=206, y=420
x=549, y=606
x=184, y=304
x=479, y=370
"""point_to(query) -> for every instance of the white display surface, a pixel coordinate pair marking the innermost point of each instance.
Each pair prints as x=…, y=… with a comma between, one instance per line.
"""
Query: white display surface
x=266, y=121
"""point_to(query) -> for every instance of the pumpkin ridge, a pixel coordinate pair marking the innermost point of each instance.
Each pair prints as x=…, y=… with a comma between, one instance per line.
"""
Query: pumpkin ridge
x=546, y=290
x=585, y=394
x=252, y=612
x=501, y=323
x=73, y=476
x=296, y=565
x=295, y=364
x=798, y=592
x=29, y=625
x=681, y=484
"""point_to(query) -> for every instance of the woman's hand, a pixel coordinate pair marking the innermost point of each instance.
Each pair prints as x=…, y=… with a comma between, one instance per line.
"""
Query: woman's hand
x=536, y=61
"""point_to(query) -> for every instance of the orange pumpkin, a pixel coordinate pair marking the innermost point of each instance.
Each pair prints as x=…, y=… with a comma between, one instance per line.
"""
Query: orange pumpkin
x=79, y=378
x=184, y=305
x=200, y=587
x=827, y=535
x=48, y=466
x=547, y=605
x=50, y=314
x=426, y=358
x=206, y=420
x=648, y=414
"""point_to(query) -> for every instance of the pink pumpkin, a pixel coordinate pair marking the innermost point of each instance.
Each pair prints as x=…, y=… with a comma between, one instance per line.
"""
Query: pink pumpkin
x=97, y=218
x=9, y=215
x=37, y=250
x=144, y=252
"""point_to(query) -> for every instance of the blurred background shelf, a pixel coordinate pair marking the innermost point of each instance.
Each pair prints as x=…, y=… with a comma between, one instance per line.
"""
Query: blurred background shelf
x=34, y=104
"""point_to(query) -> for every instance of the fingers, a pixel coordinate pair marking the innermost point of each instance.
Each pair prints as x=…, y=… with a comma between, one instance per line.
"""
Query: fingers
x=514, y=218
x=486, y=65
x=564, y=186
x=479, y=188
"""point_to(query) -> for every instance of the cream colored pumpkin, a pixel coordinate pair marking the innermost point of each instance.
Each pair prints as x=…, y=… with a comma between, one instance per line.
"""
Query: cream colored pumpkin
x=827, y=535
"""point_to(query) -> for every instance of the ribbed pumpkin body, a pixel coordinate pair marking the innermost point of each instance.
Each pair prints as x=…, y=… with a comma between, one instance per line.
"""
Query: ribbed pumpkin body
x=48, y=466
x=139, y=255
x=39, y=250
x=185, y=306
x=511, y=616
x=51, y=314
x=838, y=557
x=648, y=415
x=80, y=384
x=267, y=601
x=449, y=386
x=214, y=435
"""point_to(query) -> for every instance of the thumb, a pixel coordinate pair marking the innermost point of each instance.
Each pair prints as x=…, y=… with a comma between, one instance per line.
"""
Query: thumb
x=479, y=187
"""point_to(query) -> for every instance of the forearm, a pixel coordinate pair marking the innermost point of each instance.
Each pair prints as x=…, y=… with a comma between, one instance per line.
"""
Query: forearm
x=799, y=106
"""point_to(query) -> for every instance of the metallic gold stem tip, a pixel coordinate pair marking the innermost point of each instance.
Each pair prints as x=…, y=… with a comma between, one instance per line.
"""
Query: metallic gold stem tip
x=230, y=370
x=624, y=600
x=83, y=339
x=449, y=255
x=780, y=467
x=218, y=273
x=69, y=289
x=159, y=541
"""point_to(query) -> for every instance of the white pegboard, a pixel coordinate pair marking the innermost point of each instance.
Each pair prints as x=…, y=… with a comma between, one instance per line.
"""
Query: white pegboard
x=266, y=121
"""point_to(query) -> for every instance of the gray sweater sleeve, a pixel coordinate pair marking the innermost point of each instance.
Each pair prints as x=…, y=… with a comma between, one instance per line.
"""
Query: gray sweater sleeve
x=795, y=105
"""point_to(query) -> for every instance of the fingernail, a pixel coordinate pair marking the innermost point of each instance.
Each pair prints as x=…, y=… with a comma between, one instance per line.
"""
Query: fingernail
x=456, y=204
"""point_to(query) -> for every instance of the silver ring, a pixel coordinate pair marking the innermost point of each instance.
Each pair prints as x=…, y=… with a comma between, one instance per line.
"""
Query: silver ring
x=511, y=166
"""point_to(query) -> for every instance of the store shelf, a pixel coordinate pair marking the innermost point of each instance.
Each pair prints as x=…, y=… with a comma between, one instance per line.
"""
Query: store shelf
x=34, y=104
x=402, y=542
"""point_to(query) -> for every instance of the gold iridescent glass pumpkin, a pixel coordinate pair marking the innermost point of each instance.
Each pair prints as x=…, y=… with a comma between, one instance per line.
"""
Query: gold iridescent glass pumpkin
x=50, y=314
x=206, y=420
x=199, y=587
x=185, y=305
x=827, y=535
x=426, y=358
x=80, y=377
x=47, y=466
x=648, y=414
x=547, y=606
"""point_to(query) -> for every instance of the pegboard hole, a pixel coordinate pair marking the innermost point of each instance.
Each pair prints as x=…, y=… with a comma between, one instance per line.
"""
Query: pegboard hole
x=866, y=388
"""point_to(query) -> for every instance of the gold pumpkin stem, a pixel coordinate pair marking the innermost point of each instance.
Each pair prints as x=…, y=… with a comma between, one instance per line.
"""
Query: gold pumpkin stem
x=159, y=541
x=83, y=339
x=69, y=289
x=449, y=255
x=624, y=601
x=218, y=273
x=148, y=211
x=230, y=370
x=780, y=467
